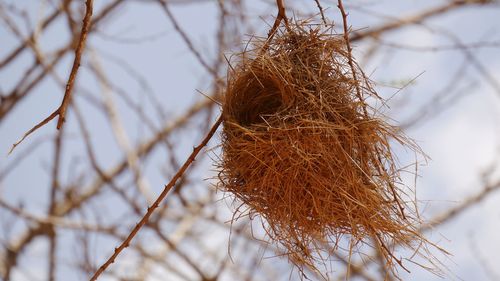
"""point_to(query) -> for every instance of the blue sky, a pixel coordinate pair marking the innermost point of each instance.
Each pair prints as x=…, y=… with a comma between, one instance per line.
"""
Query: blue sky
x=462, y=140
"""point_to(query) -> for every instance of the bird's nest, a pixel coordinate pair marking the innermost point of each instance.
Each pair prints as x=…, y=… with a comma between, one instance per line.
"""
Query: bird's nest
x=304, y=150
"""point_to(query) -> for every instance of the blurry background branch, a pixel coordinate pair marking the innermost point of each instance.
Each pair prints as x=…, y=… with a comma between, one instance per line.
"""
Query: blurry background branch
x=68, y=196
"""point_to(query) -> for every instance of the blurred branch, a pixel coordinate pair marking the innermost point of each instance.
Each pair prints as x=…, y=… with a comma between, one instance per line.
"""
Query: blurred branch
x=417, y=18
x=92, y=190
x=61, y=111
x=157, y=202
x=185, y=37
x=43, y=25
x=53, y=220
x=66, y=206
x=483, y=261
x=119, y=131
x=468, y=54
x=349, y=51
x=321, y=12
x=462, y=207
x=24, y=87
x=354, y=270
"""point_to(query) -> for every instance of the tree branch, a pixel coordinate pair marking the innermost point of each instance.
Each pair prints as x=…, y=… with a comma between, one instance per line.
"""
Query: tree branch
x=418, y=18
x=157, y=202
x=61, y=110
x=76, y=63
x=281, y=16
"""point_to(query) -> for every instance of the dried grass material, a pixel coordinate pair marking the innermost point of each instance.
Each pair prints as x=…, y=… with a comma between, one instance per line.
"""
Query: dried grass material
x=302, y=149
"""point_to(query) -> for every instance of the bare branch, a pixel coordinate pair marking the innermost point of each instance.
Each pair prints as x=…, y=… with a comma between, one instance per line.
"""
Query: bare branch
x=413, y=19
x=76, y=64
x=465, y=205
x=36, y=127
x=186, y=39
x=157, y=202
x=61, y=111
x=321, y=12
x=281, y=16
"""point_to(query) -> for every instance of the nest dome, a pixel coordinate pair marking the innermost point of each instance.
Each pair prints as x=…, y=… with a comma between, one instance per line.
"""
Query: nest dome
x=303, y=149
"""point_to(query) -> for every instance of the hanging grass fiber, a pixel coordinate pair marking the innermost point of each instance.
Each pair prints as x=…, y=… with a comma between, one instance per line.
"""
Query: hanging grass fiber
x=303, y=149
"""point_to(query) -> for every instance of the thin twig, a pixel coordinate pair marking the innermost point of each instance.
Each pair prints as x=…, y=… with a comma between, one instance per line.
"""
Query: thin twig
x=119, y=130
x=55, y=221
x=76, y=63
x=389, y=254
x=321, y=12
x=61, y=110
x=349, y=48
x=281, y=16
x=185, y=37
x=157, y=202
x=25, y=42
x=358, y=88
x=413, y=19
x=36, y=127
x=26, y=85
x=468, y=202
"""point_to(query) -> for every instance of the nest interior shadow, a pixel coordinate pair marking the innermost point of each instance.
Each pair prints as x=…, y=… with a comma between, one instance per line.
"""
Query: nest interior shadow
x=303, y=149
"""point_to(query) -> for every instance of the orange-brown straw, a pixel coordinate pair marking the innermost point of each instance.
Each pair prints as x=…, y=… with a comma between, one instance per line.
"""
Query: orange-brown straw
x=305, y=152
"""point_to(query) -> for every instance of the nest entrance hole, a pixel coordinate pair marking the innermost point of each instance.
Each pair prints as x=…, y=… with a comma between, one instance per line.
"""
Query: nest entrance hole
x=256, y=98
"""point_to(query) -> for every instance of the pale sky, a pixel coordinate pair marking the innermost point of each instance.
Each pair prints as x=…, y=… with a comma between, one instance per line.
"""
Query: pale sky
x=461, y=140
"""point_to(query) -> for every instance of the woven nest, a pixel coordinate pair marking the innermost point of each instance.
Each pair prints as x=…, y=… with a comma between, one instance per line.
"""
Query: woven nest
x=304, y=150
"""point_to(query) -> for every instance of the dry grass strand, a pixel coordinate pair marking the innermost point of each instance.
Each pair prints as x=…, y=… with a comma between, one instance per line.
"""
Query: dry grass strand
x=304, y=151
